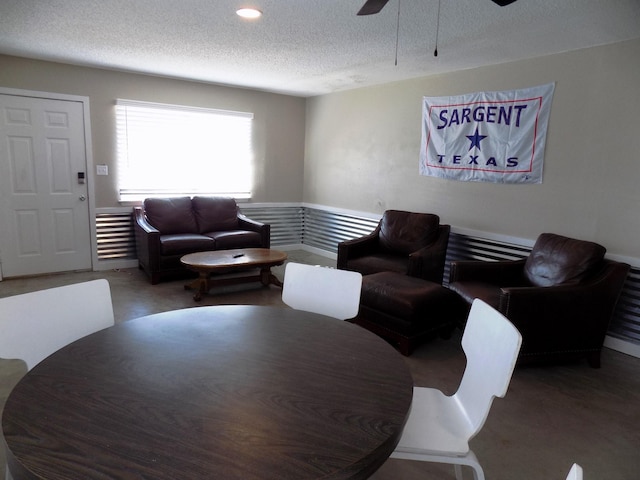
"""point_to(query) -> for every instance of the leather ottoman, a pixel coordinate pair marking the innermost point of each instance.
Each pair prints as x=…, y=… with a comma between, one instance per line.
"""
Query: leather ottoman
x=406, y=310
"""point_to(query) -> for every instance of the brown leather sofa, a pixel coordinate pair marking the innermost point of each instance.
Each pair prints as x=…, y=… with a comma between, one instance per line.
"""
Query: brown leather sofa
x=410, y=243
x=561, y=297
x=168, y=228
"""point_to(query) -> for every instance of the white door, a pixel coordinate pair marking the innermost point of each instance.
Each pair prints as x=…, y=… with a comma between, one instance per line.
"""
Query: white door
x=44, y=209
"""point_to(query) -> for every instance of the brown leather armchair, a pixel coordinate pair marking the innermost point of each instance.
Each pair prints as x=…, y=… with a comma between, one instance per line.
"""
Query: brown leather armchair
x=414, y=244
x=561, y=297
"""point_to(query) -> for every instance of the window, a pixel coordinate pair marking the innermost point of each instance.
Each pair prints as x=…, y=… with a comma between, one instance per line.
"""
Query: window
x=172, y=150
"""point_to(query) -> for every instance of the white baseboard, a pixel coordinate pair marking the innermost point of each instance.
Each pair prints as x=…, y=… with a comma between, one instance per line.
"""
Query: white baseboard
x=622, y=346
x=288, y=248
x=103, y=265
x=318, y=251
x=306, y=248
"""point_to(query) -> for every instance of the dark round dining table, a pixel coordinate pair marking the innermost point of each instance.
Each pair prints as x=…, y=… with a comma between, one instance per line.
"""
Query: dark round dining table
x=222, y=392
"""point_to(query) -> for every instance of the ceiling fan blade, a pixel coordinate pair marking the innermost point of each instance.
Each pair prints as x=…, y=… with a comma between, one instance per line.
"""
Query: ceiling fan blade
x=374, y=6
x=503, y=3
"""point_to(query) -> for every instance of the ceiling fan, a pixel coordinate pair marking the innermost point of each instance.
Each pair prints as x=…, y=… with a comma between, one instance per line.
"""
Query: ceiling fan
x=374, y=6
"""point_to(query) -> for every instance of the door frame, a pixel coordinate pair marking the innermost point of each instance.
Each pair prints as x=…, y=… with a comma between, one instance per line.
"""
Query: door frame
x=88, y=147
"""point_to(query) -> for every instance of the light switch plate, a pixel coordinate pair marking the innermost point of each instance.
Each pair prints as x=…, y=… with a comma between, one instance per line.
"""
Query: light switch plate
x=102, y=170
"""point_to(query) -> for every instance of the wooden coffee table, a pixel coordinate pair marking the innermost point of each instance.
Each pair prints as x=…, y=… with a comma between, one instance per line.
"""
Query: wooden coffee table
x=220, y=262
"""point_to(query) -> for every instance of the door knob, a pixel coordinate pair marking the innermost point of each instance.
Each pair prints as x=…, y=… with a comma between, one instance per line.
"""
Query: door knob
x=82, y=198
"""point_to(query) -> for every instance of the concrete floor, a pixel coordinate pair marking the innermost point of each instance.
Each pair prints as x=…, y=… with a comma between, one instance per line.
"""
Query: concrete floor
x=551, y=417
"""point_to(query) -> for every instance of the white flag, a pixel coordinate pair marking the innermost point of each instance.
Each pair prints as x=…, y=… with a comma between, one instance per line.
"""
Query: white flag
x=494, y=137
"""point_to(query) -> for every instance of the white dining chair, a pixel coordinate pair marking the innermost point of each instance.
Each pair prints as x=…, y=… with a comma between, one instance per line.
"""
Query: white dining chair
x=324, y=290
x=439, y=427
x=34, y=325
x=575, y=473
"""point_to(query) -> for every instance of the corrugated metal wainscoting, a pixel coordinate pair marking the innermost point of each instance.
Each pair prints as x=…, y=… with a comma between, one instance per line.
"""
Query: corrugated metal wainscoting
x=626, y=321
x=287, y=222
x=114, y=233
x=312, y=227
x=323, y=229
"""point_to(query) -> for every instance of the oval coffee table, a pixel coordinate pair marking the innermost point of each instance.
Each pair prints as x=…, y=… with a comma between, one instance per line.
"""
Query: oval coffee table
x=218, y=262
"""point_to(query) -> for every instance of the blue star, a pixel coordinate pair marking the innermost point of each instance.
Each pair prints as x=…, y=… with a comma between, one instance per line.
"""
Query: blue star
x=475, y=139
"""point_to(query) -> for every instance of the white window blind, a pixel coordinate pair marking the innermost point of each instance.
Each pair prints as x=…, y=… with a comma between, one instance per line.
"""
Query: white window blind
x=172, y=150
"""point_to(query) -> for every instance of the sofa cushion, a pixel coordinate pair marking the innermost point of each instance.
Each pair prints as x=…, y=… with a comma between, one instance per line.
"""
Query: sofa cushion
x=556, y=260
x=215, y=213
x=379, y=262
x=469, y=291
x=171, y=215
x=406, y=232
x=183, y=243
x=236, y=239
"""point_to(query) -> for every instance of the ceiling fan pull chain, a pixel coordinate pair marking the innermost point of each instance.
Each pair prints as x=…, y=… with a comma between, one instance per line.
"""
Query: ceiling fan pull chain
x=435, y=52
x=397, y=31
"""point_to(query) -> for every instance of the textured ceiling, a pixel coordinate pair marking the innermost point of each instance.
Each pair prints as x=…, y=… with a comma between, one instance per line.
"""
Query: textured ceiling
x=305, y=47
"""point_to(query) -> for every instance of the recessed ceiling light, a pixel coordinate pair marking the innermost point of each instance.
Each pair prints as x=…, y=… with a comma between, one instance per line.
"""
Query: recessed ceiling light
x=249, y=13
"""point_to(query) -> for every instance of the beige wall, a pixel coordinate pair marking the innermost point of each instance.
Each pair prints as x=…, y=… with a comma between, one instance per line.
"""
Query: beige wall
x=362, y=151
x=278, y=119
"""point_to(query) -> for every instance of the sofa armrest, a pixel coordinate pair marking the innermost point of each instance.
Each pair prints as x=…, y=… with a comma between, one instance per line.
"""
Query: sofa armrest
x=570, y=316
x=147, y=241
x=428, y=262
x=264, y=229
x=142, y=222
x=357, y=247
x=505, y=272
